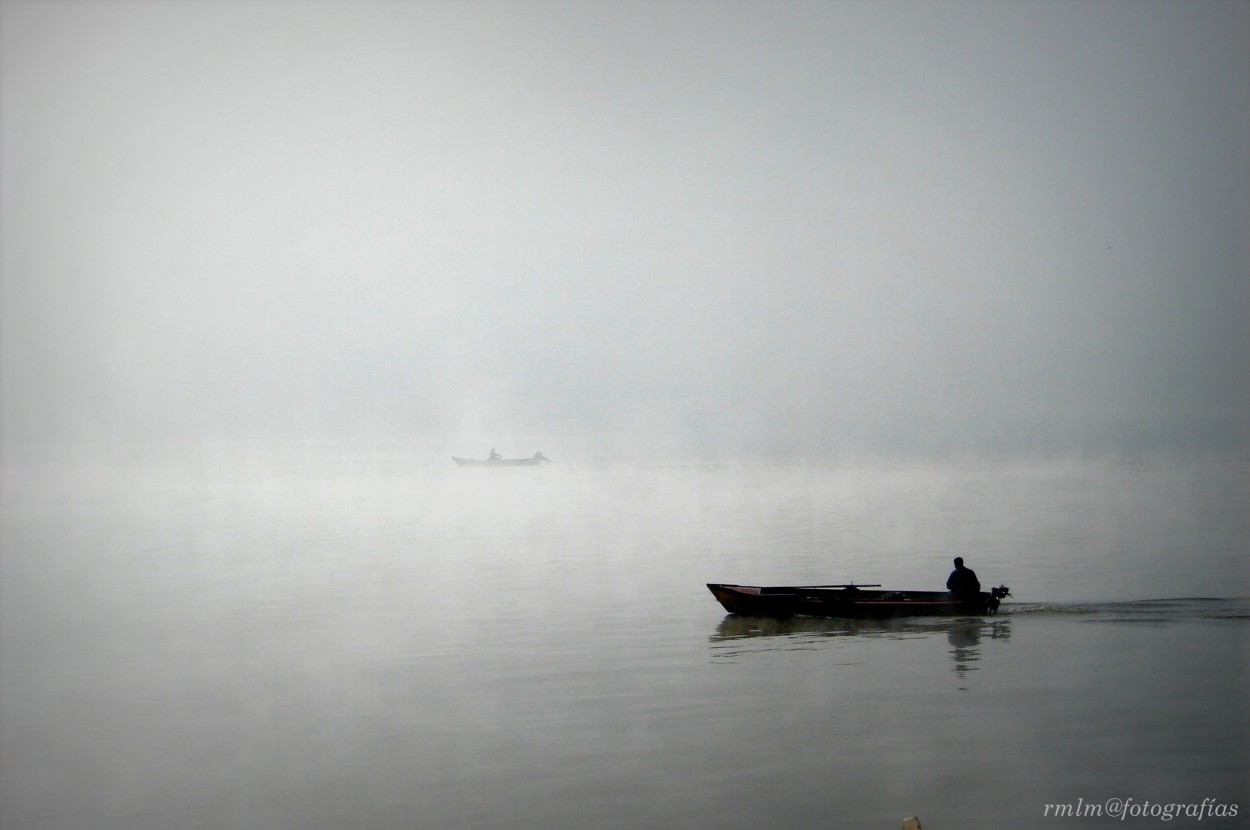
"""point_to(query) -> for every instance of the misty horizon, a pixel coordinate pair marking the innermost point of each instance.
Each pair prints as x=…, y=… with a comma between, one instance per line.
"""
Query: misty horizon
x=711, y=230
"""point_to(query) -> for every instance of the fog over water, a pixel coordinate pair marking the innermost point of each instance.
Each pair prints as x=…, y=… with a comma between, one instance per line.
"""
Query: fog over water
x=713, y=229
x=376, y=644
x=790, y=293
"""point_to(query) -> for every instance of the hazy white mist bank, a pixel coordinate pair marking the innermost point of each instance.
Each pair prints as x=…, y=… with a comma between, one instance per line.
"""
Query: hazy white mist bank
x=688, y=229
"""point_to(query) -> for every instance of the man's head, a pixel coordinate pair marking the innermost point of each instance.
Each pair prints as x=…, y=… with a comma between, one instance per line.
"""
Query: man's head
x=959, y=561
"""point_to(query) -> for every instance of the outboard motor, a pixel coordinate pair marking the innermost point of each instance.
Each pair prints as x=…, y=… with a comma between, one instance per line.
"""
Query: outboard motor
x=996, y=596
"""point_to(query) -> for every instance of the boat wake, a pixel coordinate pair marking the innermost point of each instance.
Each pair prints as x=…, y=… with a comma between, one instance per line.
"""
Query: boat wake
x=1140, y=611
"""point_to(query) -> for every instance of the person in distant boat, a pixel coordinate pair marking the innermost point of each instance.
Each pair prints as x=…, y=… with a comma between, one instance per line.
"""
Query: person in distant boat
x=493, y=454
x=963, y=581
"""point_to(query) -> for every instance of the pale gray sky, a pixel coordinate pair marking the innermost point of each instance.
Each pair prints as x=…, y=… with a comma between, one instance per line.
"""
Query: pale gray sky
x=718, y=227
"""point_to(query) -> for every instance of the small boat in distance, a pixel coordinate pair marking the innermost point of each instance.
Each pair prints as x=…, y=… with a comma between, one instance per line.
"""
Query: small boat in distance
x=852, y=602
x=495, y=460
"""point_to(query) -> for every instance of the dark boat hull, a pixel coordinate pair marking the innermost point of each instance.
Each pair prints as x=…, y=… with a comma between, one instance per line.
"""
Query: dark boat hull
x=849, y=602
x=537, y=459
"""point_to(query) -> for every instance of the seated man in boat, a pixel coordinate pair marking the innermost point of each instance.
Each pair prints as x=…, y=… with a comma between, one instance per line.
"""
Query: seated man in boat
x=963, y=582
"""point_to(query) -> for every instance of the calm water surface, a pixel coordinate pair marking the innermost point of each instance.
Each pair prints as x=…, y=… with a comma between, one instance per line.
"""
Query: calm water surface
x=368, y=643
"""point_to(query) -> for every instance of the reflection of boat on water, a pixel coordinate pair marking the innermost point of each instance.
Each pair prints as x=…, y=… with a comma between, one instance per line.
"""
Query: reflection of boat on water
x=852, y=602
x=738, y=635
x=960, y=631
x=496, y=461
